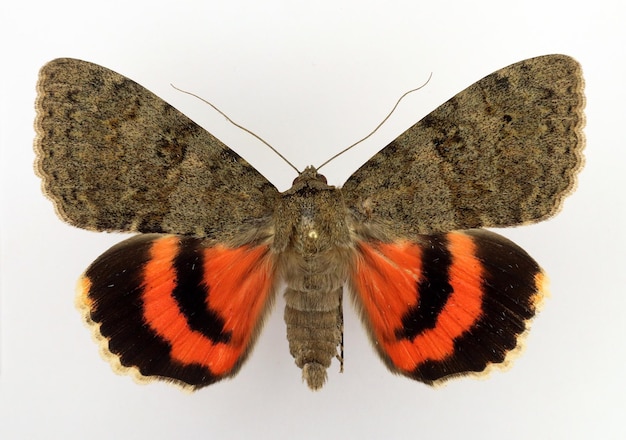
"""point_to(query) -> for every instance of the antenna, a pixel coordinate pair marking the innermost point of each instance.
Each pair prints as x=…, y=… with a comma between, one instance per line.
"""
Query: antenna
x=283, y=157
x=379, y=125
x=239, y=126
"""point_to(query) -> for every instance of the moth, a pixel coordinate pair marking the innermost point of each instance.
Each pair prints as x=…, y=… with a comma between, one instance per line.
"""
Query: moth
x=185, y=299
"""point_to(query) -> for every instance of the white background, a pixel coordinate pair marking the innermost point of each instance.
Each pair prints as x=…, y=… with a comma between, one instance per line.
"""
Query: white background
x=312, y=78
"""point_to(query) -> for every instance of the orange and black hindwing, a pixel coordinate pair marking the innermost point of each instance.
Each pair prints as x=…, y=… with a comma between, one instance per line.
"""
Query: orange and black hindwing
x=447, y=304
x=175, y=308
x=444, y=305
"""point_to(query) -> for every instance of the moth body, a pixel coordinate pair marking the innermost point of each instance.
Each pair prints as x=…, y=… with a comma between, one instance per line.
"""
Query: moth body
x=313, y=241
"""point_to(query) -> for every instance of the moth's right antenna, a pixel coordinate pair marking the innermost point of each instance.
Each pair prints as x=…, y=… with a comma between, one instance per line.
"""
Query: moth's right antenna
x=239, y=126
x=379, y=125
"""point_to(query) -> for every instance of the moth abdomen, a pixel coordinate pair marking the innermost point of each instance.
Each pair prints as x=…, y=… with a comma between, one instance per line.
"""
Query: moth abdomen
x=314, y=331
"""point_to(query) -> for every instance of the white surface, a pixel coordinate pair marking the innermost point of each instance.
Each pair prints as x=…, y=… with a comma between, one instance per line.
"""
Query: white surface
x=311, y=80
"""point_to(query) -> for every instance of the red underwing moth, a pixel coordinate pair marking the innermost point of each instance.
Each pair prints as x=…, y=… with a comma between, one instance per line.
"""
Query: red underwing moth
x=185, y=300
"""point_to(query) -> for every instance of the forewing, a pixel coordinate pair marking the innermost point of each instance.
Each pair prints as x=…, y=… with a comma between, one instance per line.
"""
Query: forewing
x=447, y=304
x=182, y=309
x=113, y=156
x=502, y=152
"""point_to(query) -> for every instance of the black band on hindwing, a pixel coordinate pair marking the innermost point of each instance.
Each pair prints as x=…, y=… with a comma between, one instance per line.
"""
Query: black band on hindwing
x=433, y=290
x=191, y=293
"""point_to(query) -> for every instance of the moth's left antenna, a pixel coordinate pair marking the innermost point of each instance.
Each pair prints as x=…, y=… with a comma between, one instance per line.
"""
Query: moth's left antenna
x=239, y=126
x=379, y=125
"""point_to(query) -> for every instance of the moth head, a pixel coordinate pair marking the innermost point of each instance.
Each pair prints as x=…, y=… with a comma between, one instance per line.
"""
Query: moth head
x=309, y=178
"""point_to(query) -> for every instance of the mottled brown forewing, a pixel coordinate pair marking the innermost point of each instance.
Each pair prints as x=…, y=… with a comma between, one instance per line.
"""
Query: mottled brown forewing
x=115, y=157
x=502, y=152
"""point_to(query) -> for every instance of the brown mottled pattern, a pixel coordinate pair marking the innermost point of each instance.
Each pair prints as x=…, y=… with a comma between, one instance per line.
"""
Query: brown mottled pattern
x=115, y=157
x=502, y=152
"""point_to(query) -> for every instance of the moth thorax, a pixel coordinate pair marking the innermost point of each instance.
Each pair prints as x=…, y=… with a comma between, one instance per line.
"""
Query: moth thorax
x=310, y=239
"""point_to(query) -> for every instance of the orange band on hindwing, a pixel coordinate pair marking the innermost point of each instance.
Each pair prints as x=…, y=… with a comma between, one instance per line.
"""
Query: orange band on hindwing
x=164, y=314
x=388, y=277
x=459, y=314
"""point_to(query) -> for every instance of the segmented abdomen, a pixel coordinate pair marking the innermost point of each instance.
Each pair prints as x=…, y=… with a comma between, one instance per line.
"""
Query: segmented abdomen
x=313, y=314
